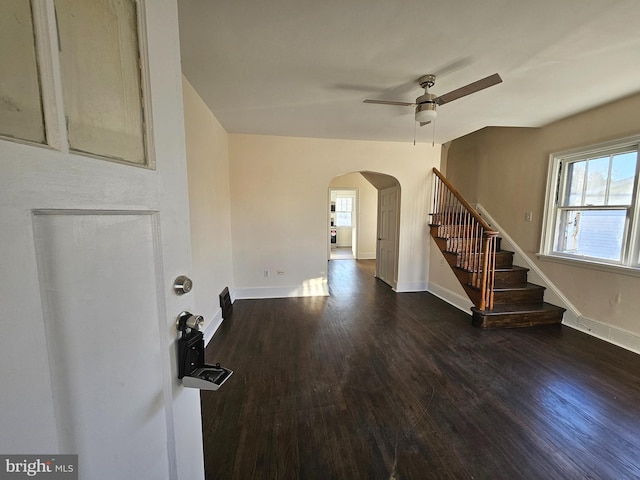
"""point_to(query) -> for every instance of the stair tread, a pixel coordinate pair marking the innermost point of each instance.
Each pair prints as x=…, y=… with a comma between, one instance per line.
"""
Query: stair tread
x=517, y=288
x=520, y=308
x=499, y=252
x=513, y=268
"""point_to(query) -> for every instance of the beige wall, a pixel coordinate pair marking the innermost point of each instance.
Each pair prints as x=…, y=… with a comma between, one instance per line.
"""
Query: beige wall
x=209, y=204
x=367, y=212
x=270, y=195
x=279, y=208
x=505, y=170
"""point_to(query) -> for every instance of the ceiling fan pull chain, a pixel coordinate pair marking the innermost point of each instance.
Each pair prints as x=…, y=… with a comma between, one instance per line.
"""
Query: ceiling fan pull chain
x=433, y=138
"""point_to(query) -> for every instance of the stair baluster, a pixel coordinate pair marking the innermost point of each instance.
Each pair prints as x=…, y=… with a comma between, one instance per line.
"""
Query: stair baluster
x=468, y=235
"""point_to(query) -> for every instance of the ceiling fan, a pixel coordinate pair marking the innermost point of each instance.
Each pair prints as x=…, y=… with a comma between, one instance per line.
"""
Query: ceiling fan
x=426, y=104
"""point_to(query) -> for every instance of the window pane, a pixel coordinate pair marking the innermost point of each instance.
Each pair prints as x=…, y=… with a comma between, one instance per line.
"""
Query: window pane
x=344, y=204
x=591, y=233
x=343, y=219
x=575, y=183
x=20, y=102
x=623, y=171
x=101, y=78
x=597, y=179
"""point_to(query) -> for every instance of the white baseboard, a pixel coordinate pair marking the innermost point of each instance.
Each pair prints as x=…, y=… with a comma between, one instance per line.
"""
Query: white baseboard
x=411, y=287
x=211, y=326
x=317, y=289
x=452, y=298
x=617, y=336
x=367, y=256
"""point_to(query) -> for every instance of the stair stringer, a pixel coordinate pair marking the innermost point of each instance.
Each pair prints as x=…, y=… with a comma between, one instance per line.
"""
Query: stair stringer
x=448, y=288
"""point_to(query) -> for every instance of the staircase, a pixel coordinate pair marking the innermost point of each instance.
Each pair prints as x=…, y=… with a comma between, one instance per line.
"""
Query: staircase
x=502, y=296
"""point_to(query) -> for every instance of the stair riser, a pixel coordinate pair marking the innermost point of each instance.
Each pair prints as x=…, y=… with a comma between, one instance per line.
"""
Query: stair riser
x=451, y=258
x=516, y=320
x=518, y=296
x=462, y=245
x=456, y=230
x=460, y=236
x=441, y=243
x=454, y=238
x=503, y=260
x=463, y=276
x=467, y=278
x=511, y=278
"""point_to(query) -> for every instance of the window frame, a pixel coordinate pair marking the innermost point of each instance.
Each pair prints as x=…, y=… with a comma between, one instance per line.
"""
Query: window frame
x=49, y=70
x=350, y=211
x=556, y=187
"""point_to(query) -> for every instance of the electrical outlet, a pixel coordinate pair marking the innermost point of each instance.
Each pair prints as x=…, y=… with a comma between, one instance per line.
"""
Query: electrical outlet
x=266, y=272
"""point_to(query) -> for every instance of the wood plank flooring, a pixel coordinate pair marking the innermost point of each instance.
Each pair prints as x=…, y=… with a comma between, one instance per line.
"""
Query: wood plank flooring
x=369, y=384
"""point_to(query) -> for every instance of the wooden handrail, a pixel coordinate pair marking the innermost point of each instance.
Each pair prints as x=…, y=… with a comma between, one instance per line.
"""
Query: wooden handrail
x=487, y=228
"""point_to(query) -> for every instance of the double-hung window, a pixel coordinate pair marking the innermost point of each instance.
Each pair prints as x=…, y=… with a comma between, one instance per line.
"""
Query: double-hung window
x=344, y=209
x=593, y=212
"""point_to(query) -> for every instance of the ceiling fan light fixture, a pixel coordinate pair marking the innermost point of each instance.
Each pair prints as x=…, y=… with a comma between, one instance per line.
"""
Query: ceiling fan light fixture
x=426, y=112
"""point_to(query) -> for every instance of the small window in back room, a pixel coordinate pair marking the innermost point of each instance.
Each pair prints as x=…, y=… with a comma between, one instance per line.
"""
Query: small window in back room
x=593, y=214
x=344, y=209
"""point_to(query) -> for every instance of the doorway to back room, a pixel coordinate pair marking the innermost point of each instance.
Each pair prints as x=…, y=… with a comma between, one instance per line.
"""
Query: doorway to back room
x=343, y=214
x=363, y=221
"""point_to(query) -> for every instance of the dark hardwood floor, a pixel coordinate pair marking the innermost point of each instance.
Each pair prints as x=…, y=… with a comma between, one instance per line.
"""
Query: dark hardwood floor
x=369, y=384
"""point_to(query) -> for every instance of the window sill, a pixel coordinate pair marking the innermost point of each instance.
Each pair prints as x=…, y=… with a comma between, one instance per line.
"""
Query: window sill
x=604, y=267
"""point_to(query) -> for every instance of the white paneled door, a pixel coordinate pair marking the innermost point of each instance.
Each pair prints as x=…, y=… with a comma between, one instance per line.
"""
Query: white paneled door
x=386, y=265
x=89, y=251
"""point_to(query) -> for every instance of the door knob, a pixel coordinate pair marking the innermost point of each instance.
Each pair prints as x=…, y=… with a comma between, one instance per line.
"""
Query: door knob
x=189, y=320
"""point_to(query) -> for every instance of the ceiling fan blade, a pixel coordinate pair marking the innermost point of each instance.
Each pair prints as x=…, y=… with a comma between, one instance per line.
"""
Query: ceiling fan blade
x=474, y=87
x=388, y=102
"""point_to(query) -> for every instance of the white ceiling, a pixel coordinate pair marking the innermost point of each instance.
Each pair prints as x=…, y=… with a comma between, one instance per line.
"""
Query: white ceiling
x=303, y=67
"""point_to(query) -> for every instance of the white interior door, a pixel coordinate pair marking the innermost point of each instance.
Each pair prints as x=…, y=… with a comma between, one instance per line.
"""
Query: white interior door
x=386, y=264
x=89, y=252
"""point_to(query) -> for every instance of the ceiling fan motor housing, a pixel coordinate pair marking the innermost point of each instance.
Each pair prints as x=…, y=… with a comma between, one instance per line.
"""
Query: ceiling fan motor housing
x=426, y=102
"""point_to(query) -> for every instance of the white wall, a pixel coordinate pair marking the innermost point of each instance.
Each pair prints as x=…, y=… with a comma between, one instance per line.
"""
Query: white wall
x=367, y=212
x=209, y=204
x=279, y=208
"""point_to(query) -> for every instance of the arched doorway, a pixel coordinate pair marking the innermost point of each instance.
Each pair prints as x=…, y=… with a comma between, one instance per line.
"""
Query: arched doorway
x=373, y=230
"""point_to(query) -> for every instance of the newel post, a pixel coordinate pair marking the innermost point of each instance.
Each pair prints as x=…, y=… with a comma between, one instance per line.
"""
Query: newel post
x=488, y=269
